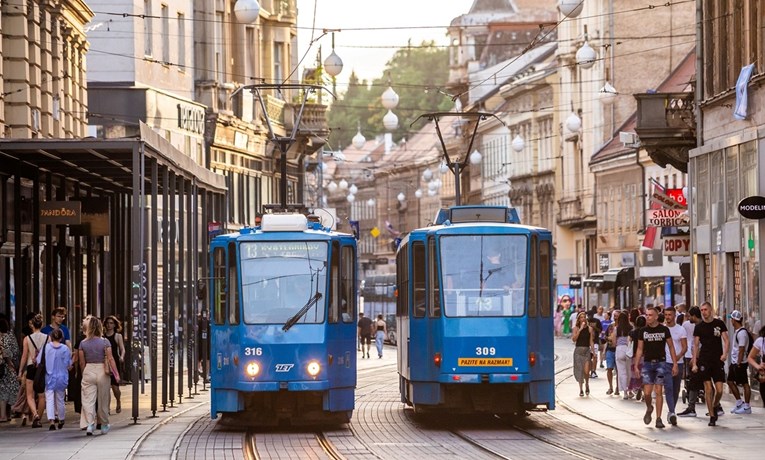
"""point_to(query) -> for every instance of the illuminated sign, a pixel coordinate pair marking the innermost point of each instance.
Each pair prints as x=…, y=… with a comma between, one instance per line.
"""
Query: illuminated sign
x=306, y=249
x=60, y=212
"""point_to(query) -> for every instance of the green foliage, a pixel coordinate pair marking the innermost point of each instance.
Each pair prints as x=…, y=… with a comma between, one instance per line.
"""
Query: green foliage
x=415, y=74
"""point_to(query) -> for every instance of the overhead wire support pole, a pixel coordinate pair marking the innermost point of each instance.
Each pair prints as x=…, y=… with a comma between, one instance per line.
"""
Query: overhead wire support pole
x=457, y=167
x=283, y=142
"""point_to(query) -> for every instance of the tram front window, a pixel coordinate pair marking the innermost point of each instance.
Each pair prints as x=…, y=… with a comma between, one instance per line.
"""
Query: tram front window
x=279, y=278
x=484, y=275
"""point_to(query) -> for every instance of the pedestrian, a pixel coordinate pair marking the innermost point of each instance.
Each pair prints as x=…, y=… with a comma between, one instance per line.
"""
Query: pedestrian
x=693, y=382
x=203, y=341
x=621, y=335
x=680, y=342
x=381, y=331
x=58, y=360
x=758, y=349
x=595, y=323
x=636, y=383
x=710, y=351
x=604, y=324
x=365, y=333
x=610, y=348
x=57, y=318
x=653, y=340
x=738, y=372
x=558, y=320
x=9, y=355
x=567, y=312
x=583, y=336
x=117, y=344
x=94, y=352
x=33, y=343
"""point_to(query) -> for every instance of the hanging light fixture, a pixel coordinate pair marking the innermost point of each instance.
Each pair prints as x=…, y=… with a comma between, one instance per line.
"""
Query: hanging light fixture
x=371, y=202
x=418, y=194
x=443, y=167
x=427, y=175
x=332, y=186
x=351, y=198
x=390, y=121
x=432, y=185
x=359, y=140
x=333, y=65
x=247, y=11
x=353, y=189
x=608, y=93
x=401, y=197
x=573, y=123
x=389, y=98
x=518, y=143
x=432, y=193
x=343, y=184
x=475, y=157
x=570, y=8
x=586, y=56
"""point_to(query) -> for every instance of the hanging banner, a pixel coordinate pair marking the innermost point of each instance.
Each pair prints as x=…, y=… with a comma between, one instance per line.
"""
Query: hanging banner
x=667, y=218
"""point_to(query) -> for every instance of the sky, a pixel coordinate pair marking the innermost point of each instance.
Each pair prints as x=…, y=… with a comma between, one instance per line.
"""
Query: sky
x=353, y=46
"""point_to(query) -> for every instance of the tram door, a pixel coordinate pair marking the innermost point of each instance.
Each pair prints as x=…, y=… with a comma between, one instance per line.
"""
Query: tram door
x=420, y=344
x=341, y=330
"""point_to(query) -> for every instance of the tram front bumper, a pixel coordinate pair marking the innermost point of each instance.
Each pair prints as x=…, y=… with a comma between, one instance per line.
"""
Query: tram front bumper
x=484, y=378
x=301, y=385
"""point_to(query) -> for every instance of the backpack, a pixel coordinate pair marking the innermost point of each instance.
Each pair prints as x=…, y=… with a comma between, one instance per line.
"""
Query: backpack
x=751, y=340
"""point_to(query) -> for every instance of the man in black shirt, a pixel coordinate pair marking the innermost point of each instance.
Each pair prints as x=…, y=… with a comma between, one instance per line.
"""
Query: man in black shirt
x=653, y=340
x=710, y=350
x=365, y=333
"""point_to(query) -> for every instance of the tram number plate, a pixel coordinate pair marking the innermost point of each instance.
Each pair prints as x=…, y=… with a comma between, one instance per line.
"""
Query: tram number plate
x=485, y=362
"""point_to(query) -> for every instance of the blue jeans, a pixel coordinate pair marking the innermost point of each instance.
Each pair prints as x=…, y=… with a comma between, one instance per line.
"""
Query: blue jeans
x=672, y=385
x=379, y=337
x=653, y=372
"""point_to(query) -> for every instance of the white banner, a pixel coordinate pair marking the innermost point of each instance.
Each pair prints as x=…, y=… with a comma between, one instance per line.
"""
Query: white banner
x=667, y=218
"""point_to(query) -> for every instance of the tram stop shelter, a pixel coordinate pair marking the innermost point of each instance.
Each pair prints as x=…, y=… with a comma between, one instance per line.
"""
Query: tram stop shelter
x=111, y=227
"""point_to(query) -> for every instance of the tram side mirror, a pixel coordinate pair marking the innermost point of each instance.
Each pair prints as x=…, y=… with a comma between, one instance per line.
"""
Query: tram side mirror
x=201, y=290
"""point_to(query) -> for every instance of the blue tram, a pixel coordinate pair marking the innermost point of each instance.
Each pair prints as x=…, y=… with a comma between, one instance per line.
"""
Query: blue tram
x=474, y=313
x=283, y=333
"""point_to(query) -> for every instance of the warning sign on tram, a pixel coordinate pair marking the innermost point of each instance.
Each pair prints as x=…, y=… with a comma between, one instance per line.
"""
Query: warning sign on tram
x=485, y=362
x=667, y=218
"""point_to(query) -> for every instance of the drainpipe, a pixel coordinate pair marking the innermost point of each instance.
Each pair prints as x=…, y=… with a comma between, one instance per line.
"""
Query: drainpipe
x=698, y=97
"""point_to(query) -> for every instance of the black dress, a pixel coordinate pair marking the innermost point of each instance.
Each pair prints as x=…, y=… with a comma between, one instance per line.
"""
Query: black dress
x=115, y=354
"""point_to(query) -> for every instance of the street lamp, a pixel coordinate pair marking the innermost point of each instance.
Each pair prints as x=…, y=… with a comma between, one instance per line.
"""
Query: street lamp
x=359, y=140
x=518, y=143
x=427, y=175
x=401, y=197
x=343, y=184
x=418, y=194
x=475, y=157
x=608, y=93
x=390, y=121
x=571, y=8
x=351, y=198
x=333, y=65
x=585, y=56
x=353, y=189
x=573, y=123
x=332, y=187
x=247, y=11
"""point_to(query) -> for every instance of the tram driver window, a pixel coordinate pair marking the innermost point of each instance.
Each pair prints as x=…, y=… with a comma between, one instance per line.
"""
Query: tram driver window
x=233, y=286
x=219, y=286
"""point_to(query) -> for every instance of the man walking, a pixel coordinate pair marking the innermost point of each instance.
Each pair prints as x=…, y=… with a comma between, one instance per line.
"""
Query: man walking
x=653, y=340
x=739, y=368
x=680, y=341
x=57, y=318
x=693, y=380
x=365, y=333
x=710, y=349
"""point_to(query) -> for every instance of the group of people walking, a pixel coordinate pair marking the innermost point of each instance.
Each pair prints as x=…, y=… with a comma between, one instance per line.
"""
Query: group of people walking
x=49, y=371
x=367, y=329
x=653, y=350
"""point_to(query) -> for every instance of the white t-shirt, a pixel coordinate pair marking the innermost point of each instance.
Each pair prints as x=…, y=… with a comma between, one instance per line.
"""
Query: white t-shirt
x=678, y=334
x=759, y=343
x=740, y=339
x=689, y=327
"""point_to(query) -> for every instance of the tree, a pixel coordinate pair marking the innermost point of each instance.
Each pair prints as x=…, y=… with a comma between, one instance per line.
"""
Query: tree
x=416, y=74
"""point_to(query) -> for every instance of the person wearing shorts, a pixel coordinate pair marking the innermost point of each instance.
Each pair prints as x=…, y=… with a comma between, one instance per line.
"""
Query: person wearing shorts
x=653, y=340
x=710, y=350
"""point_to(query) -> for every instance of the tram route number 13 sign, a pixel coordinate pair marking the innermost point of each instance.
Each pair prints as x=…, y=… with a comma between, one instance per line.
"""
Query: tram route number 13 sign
x=667, y=218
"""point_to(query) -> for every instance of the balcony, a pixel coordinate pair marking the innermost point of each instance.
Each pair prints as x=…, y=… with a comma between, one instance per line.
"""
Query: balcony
x=667, y=127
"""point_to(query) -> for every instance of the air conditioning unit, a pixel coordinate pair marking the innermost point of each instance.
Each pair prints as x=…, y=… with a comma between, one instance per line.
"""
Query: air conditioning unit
x=629, y=139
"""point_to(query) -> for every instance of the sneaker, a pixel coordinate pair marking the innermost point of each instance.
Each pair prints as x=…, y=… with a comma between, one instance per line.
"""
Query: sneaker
x=672, y=419
x=743, y=410
x=719, y=411
x=105, y=428
x=733, y=411
x=659, y=423
x=593, y=375
x=89, y=431
x=647, y=416
x=688, y=412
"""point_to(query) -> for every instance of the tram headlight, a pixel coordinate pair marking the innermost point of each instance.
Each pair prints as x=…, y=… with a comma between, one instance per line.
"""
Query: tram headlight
x=253, y=368
x=313, y=368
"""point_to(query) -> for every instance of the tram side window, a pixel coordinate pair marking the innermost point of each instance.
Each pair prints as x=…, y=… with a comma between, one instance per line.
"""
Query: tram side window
x=233, y=286
x=402, y=281
x=334, y=290
x=418, y=279
x=347, y=291
x=219, y=286
x=435, y=286
x=545, y=281
x=533, y=279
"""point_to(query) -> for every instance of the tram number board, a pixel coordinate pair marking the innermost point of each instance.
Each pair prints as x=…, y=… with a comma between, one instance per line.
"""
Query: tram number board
x=485, y=362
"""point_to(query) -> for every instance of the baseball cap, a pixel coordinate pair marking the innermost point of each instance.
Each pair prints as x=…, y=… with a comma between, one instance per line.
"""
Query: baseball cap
x=735, y=314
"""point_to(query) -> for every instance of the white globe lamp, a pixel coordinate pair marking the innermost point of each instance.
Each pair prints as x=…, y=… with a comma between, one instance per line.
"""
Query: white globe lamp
x=333, y=65
x=389, y=99
x=475, y=157
x=418, y=194
x=401, y=197
x=332, y=186
x=427, y=175
x=518, y=143
x=585, y=56
x=371, y=202
x=353, y=189
x=607, y=93
x=351, y=198
x=390, y=121
x=247, y=11
x=432, y=193
x=359, y=140
x=571, y=8
x=443, y=167
x=573, y=123
x=343, y=184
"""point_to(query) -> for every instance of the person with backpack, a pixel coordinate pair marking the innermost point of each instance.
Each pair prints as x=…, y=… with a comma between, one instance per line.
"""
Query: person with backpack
x=58, y=360
x=33, y=343
x=738, y=372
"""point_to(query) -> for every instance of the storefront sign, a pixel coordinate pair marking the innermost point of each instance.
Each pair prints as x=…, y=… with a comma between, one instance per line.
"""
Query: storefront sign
x=191, y=118
x=60, y=212
x=628, y=259
x=666, y=201
x=603, y=262
x=667, y=218
x=677, y=195
x=677, y=245
x=752, y=207
x=575, y=282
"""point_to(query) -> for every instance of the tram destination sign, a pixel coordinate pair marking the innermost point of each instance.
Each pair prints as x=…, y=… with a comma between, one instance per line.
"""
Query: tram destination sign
x=752, y=207
x=667, y=218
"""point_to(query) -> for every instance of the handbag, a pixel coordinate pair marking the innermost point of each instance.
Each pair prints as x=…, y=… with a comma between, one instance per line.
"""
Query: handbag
x=39, y=382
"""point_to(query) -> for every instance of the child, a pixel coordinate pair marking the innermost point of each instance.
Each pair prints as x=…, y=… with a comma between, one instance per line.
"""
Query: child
x=58, y=360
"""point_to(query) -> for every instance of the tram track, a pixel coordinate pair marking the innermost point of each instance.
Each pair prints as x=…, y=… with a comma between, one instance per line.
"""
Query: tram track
x=316, y=445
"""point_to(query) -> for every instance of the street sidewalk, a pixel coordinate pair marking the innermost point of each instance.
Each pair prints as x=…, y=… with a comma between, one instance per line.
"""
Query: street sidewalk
x=122, y=441
x=734, y=437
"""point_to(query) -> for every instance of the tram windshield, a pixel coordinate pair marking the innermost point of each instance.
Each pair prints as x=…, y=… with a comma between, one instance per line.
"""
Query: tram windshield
x=484, y=275
x=279, y=278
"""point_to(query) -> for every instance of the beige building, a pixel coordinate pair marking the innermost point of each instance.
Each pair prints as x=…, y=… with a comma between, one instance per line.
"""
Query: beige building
x=42, y=78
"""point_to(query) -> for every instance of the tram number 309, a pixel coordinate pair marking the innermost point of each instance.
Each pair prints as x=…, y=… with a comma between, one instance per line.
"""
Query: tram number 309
x=253, y=351
x=485, y=351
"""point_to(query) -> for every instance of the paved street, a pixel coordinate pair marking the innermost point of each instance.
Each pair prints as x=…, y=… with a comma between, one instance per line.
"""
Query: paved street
x=599, y=426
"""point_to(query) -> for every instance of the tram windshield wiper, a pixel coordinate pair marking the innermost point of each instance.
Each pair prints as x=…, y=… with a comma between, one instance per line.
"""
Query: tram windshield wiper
x=291, y=322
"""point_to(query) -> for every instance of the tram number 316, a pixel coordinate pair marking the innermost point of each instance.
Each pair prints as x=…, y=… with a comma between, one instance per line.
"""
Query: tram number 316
x=253, y=351
x=485, y=351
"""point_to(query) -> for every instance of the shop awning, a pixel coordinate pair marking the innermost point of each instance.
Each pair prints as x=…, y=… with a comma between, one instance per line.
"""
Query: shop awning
x=620, y=276
x=594, y=280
